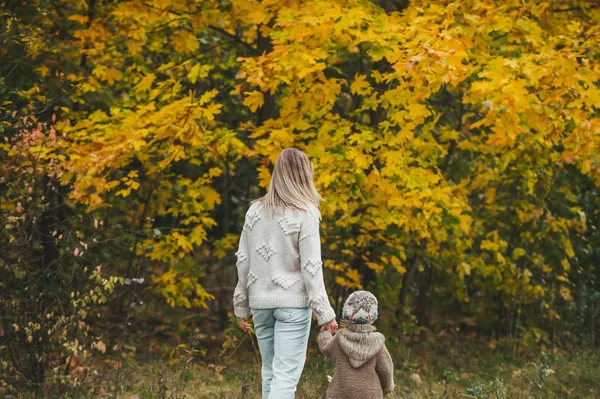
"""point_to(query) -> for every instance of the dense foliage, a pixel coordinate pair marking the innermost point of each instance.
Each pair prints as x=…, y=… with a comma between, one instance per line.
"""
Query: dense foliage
x=456, y=144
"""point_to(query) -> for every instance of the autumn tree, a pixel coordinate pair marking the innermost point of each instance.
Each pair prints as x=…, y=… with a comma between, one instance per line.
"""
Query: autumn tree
x=455, y=143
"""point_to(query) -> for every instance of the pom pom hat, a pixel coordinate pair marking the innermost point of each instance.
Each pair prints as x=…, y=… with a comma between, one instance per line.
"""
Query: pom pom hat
x=360, y=308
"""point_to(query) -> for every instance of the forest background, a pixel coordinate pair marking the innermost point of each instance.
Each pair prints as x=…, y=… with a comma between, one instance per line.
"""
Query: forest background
x=456, y=144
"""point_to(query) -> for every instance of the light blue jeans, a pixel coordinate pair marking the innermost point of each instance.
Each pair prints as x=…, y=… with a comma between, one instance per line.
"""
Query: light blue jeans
x=282, y=335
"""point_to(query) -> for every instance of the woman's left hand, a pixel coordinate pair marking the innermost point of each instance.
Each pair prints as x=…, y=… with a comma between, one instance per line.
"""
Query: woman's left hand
x=243, y=325
x=332, y=327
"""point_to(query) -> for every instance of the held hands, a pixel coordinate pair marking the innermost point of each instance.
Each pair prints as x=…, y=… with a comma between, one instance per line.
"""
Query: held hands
x=243, y=325
x=332, y=327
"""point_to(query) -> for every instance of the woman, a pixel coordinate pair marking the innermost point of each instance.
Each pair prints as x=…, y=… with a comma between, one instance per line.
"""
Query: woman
x=280, y=274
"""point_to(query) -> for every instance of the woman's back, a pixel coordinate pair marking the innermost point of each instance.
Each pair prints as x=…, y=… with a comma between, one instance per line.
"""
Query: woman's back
x=280, y=273
x=279, y=262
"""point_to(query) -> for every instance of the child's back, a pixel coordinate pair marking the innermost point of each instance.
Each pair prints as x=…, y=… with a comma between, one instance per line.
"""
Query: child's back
x=364, y=367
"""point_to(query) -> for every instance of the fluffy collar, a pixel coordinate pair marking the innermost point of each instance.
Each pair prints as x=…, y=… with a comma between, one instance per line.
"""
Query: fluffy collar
x=360, y=343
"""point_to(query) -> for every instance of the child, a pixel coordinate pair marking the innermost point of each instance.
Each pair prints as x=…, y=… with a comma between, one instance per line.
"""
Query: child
x=364, y=367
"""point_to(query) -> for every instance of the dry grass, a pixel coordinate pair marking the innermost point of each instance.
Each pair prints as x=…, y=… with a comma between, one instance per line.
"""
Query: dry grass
x=456, y=368
x=421, y=373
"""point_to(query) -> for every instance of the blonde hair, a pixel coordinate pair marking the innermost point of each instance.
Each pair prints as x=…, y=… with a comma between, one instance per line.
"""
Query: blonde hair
x=292, y=184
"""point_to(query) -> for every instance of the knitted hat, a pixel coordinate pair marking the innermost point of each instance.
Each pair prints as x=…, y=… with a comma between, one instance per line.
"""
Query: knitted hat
x=360, y=308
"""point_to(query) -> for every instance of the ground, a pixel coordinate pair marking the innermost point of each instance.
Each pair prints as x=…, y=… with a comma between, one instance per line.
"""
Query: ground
x=434, y=369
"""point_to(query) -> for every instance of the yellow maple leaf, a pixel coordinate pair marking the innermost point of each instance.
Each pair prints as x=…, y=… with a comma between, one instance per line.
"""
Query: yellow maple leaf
x=111, y=75
x=254, y=100
x=360, y=86
x=464, y=269
x=199, y=71
x=145, y=83
x=185, y=42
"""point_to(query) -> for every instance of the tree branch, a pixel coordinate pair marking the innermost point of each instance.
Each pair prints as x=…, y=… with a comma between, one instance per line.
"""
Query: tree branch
x=235, y=38
x=574, y=8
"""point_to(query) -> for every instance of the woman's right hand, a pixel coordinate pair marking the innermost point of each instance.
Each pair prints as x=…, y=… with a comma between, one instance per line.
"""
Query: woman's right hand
x=332, y=327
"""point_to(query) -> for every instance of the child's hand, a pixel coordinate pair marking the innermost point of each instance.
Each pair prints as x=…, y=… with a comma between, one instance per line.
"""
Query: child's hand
x=332, y=327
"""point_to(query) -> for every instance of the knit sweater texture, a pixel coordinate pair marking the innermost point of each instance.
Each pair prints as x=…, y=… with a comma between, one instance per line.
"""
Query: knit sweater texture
x=364, y=367
x=279, y=263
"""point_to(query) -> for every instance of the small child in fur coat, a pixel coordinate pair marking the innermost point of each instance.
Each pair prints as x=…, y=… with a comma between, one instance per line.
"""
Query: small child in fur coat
x=364, y=367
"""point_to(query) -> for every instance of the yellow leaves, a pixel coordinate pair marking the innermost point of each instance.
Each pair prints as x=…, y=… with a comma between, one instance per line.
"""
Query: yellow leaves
x=210, y=111
x=254, y=100
x=211, y=197
x=418, y=112
x=264, y=176
x=145, y=83
x=130, y=184
x=109, y=75
x=361, y=160
x=565, y=293
x=199, y=71
x=464, y=269
x=586, y=166
x=223, y=246
x=568, y=247
x=538, y=291
x=397, y=264
x=389, y=145
x=489, y=245
x=185, y=42
x=178, y=287
x=214, y=172
x=360, y=86
x=518, y=253
x=375, y=266
x=208, y=96
x=325, y=179
x=99, y=116
x=259, y=15
x=527, y=276
x=182, y=242
x=198, y=234
x=80, y=19
x=351, y=279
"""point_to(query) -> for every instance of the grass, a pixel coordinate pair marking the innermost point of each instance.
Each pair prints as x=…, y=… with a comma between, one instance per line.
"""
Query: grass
x=457, y=366
x=430, y=370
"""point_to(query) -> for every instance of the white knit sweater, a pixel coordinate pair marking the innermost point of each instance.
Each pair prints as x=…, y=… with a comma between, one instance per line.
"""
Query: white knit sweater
x=279, y=263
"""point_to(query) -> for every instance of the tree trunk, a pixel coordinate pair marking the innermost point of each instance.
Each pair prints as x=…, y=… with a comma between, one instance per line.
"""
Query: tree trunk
x=422, y=311
x=269, y=108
